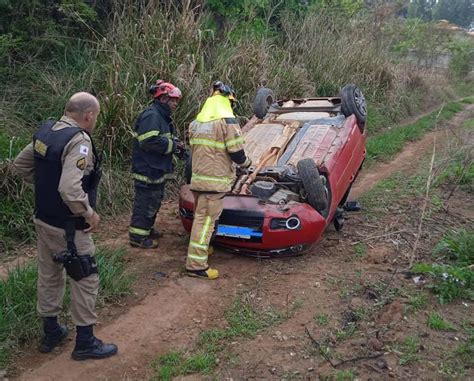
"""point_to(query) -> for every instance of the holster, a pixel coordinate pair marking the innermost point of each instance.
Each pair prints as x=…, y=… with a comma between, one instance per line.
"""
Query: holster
x=77, y=266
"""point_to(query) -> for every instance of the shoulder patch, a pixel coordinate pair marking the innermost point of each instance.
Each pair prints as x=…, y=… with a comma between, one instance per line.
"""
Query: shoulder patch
x=40, y=147
x=231, y=121
x=81, y=163
x=83, y=149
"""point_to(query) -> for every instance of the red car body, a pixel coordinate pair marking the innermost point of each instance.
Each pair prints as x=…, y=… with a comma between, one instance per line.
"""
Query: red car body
x=253, y=226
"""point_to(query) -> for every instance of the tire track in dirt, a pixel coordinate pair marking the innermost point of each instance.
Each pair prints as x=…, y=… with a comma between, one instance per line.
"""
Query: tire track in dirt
x=407, y=159
x=171, y=316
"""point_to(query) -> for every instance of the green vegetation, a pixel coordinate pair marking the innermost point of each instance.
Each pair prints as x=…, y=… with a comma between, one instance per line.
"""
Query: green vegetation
x=453, y=278
x=321, y=319
x=243, y=319
x=19, y=322
x=461, y=358
x=248, y=44
x=296, y=48
x=417, y=302
x=385, y=145
x=435, y=321
x=458, y=170
x=408, y=350
x=360, y=250
x=344, y=375
x=347, y=332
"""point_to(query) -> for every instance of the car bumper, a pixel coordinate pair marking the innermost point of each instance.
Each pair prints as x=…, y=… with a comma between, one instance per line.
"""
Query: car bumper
x=250, y=227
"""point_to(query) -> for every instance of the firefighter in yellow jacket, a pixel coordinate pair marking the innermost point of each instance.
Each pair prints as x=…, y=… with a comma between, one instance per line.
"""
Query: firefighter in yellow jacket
x=216, y=143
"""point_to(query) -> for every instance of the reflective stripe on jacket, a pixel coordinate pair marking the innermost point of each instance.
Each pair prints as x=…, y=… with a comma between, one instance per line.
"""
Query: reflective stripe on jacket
x=153, y=146
x=213, y=135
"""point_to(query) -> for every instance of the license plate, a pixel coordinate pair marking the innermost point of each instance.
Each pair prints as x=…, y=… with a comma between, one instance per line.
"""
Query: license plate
x=236, y=232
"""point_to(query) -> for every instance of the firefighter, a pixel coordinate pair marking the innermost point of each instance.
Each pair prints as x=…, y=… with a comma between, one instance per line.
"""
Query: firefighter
x=216, y=143
x=63, y=166
x=152, y=162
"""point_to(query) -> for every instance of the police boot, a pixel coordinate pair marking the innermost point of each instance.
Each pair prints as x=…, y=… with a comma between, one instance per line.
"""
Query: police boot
x=54, y=334
x=90, y=347
x=143, y=243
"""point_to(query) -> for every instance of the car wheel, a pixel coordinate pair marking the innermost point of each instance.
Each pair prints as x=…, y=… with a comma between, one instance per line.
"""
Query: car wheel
x=339, y=223
x=188, y=169
x=313, y=185
x=263, y=100
x=353, y=102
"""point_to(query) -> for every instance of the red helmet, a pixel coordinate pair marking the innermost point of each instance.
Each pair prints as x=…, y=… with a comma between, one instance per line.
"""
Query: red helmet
x=165, y=88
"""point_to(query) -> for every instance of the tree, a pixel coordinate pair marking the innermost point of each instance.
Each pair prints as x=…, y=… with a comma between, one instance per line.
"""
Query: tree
x=421, y=9
x=460, y=12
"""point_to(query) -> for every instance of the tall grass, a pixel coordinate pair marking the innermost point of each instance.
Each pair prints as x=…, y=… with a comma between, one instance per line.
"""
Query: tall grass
x=19, y=322
x=314, y=53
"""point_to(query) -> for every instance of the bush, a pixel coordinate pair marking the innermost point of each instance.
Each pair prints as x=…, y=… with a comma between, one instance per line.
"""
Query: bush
x=462, y=60
x=453, y=279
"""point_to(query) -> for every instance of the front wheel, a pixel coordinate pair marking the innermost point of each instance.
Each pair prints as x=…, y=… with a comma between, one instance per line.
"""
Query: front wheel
x=313, y=185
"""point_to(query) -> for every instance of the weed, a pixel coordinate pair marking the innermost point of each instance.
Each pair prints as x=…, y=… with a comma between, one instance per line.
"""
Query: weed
x=417, y=302
x=115, y=282
x=19, y=322
x=435, y=321
x=360, y=250
x=344, y=292
x=409, y=350
x=360, y=313
x=468, y=123
x=347, y=332
x=454, y=279
x=244, y=320
x=461, y=358
x=344, y=375
x=321, y=319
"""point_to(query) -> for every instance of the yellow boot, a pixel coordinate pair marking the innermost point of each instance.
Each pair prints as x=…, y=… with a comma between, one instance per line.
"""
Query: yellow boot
x=209, y=274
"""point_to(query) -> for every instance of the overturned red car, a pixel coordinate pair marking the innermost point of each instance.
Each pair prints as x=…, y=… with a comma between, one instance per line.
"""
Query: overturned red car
x=306, y=154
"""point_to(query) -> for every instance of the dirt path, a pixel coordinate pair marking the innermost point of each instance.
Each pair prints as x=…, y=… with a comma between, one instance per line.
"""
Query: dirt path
x=176, y=308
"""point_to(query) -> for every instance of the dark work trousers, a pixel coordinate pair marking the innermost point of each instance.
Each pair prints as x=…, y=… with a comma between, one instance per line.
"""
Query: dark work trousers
x=146, y=205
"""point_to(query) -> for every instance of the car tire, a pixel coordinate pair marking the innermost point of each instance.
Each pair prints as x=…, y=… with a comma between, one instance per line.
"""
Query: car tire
x=263, y=100
x=188, y=169
x=353, y=102
x=313, y=185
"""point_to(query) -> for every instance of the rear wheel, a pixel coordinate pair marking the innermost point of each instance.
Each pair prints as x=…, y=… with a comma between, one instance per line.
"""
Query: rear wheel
x=263, y=100
x=313, y=185
x=353, y=102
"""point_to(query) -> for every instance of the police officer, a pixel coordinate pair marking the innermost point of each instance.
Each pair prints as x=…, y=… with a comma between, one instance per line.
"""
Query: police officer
x=216, y=143
x=61, y=162
x=152, y=162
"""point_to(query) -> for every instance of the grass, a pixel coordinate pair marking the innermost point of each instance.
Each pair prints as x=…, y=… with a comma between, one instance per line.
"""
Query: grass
x=461, y=358
x=385, y=145
x=453, y=276
x=19, y=322
x=244, y=319
x=436, y=322
x=347, y=332
x=408, y=350
x=321, y=319
x=418, y=301
x=360, y=250
x=344, y=375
